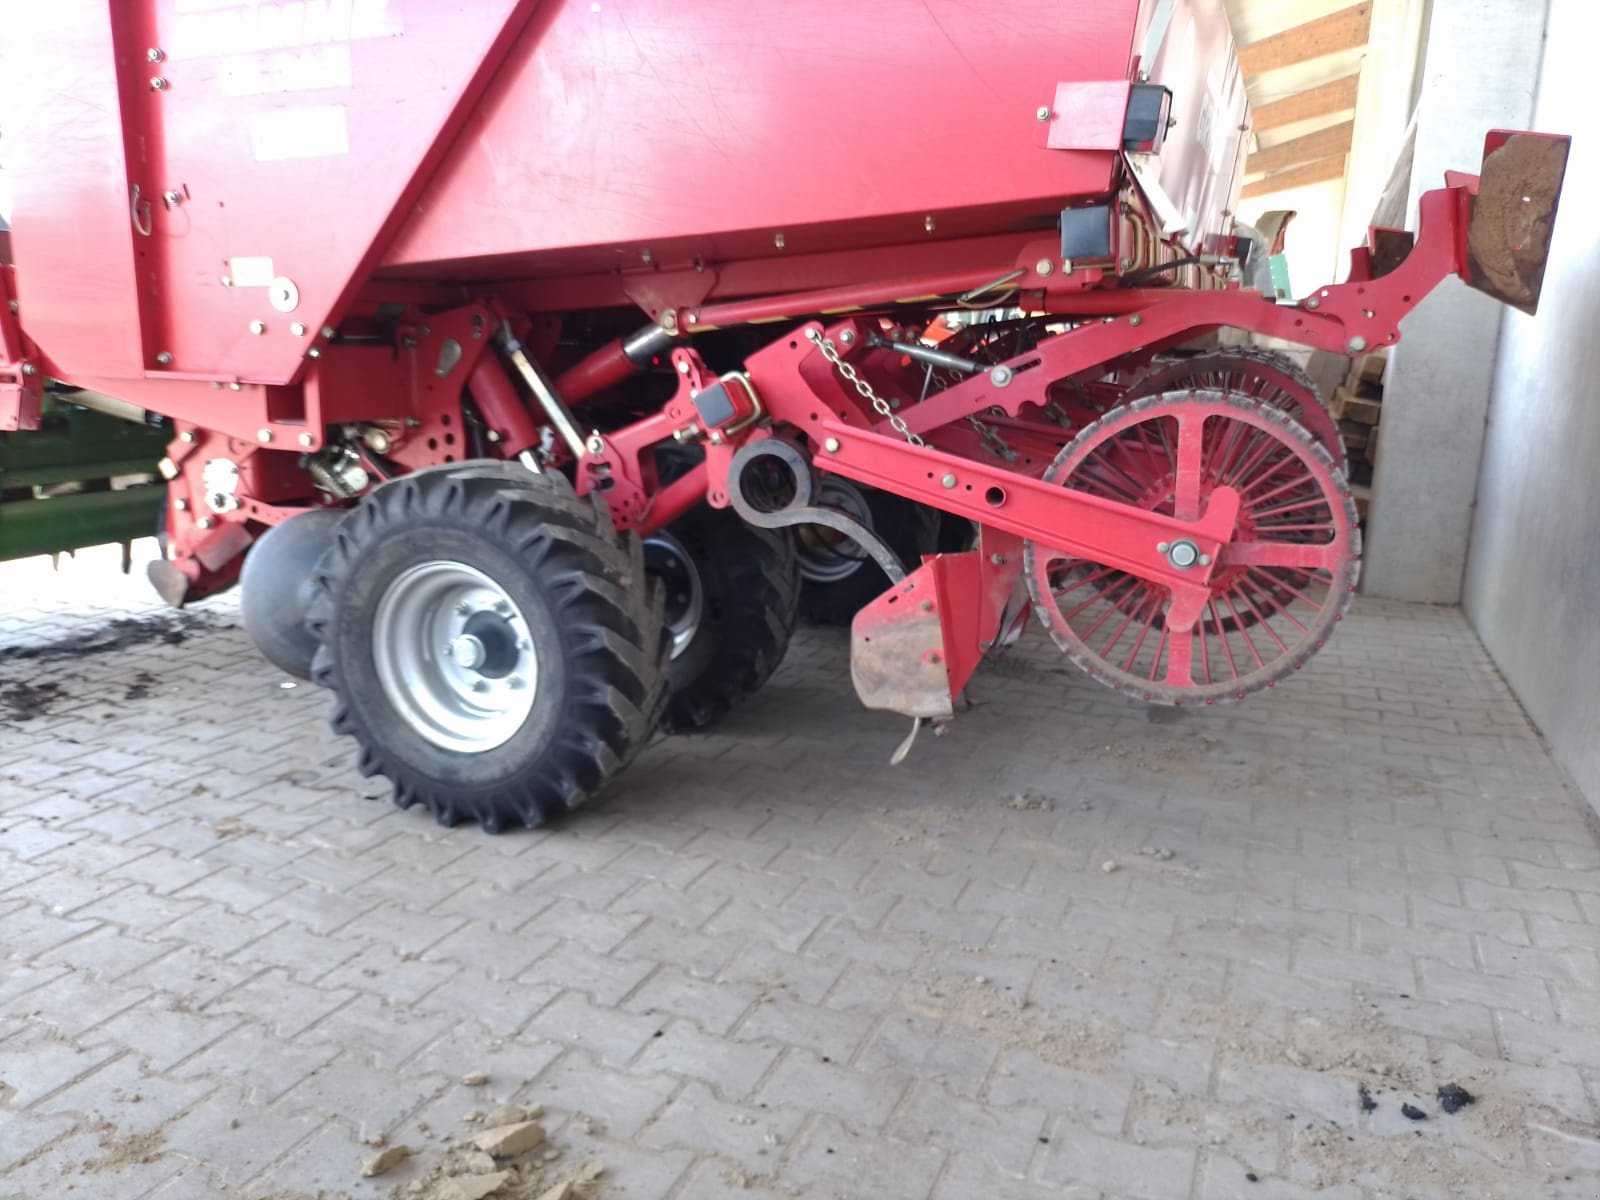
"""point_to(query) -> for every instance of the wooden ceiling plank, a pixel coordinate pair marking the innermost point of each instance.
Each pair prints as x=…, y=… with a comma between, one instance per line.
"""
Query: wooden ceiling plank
x=1338, y=96
x=1317, y=172
x=1322, y=144
x=1343, y=30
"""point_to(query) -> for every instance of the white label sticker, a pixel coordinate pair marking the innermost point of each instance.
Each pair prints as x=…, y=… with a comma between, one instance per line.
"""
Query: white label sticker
x=209, y=28
x=320, y=131
x=253, y=270
x=286, y=71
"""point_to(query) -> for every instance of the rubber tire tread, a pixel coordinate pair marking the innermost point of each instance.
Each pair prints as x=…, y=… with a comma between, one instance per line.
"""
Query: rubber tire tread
x=751, y=583
x=606, y=614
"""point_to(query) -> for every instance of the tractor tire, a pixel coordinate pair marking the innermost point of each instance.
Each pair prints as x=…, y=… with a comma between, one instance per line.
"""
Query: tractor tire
x=492, y=643
x=839, y=577
x=732, y=595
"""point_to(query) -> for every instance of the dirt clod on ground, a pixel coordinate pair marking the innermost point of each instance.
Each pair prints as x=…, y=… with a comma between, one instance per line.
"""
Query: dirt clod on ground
x=504, y=1141
x=385, y=1160
x=1412, y=1113
x=474, y=1079
x=1030, y=800
x=1453, y=1098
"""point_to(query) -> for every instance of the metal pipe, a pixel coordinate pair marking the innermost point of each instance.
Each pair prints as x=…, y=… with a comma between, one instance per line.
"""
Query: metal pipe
x=928, y=355
x=502, y=408
x=100, y=402
x=543, y=391
x=672, y=501
x=612, y=363
x=849, y=298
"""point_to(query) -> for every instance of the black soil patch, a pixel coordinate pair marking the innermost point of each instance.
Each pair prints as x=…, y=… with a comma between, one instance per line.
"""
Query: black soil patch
x=1453, y=1098
x=1368, y=1104
x=24, y=701
x=122, y=633
x=139, y=689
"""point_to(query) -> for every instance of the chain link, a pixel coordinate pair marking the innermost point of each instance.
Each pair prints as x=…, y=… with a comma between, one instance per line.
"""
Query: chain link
x=863, y=388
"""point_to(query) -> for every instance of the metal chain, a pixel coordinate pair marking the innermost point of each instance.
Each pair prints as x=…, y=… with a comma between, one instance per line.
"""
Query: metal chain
x=863, y=388
x=991, y=438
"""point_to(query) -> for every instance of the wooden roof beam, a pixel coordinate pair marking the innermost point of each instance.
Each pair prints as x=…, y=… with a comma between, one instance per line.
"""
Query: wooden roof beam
x=1330, y=98
x=1325, y=143
x=1343, y=30
x=1317, y=172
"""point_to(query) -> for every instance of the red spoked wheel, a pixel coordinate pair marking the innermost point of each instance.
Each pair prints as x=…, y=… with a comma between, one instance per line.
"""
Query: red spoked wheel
x=1265, y=375
x=1280, y=585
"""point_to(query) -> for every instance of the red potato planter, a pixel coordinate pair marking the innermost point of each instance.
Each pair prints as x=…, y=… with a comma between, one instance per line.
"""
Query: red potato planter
x=568, y=308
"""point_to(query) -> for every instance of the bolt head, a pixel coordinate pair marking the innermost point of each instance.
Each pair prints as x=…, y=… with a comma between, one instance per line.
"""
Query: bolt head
x=164, y=357
x=1205, y=560
x=847, y=336
x=929, y=224
x=1313, y=303
x=181, y=504
x=1357, y=344
x=683, y=367
x=948, y=481
x=29, y=369
x=264, y=436
x=1042, y=113
x=235, y=387
x=998, y=559
x=258, y=327
x=313, y=353
x=306, y=440
x=158, y=84
x=154, y=54
x=779, y=240
x=1163, y=547
x=1136, y=320
x=468, y=651
x=297, y=328
x=927, y=606
x=831, y=445
x=328, y=331
x=186, y=436
x=1000, y=376
x=515, y=682
x=206, y=522
x=1045, y=266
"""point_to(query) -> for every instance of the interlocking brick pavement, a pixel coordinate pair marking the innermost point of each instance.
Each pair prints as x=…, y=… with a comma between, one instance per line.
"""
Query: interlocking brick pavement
x=768, y=965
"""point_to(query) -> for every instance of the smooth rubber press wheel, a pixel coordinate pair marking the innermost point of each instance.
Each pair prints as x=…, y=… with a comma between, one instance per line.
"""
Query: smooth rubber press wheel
x=493, y=645
x=1281, y=582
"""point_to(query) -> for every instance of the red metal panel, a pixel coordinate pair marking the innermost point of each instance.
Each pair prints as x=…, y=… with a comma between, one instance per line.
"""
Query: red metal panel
x=629, y=123
x=71, y=233
x=283, y=135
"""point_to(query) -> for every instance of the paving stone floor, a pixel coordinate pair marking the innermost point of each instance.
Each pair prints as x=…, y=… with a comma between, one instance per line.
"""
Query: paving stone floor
x=1071, y=949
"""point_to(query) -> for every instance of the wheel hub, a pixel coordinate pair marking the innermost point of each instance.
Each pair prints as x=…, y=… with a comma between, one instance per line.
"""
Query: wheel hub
x=454, y=656
x=826, y=555
x=666, y=559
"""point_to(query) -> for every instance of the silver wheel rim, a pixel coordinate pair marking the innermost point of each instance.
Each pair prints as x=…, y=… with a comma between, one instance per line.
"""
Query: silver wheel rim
x=827, y=556
x=454, y=656
x=667, y=560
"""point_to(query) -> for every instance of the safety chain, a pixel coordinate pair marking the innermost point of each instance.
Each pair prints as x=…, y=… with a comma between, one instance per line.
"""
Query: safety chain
x=863, y=388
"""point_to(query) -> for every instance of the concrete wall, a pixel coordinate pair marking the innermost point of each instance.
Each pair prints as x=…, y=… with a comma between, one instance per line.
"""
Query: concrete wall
x=1533, y=577
x=1480, y=71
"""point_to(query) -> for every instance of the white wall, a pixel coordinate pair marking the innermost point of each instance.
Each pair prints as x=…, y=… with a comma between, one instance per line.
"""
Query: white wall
x=1480, y=71
x=1533, y=575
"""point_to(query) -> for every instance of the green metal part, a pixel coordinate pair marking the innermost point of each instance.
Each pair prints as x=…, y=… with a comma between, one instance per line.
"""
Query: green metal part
x=81, y=479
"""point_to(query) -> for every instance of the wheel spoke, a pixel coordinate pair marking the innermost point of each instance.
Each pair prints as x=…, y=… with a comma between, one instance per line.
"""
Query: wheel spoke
x=1281, y=554
x=1191, y=453
x=1180, y=659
